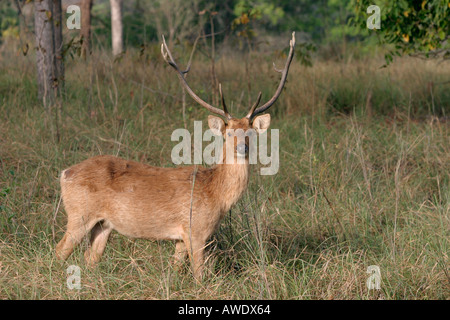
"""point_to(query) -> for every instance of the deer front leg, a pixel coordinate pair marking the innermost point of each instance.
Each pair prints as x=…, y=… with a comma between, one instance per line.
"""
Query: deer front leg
x=195, y=248
x=180, y=253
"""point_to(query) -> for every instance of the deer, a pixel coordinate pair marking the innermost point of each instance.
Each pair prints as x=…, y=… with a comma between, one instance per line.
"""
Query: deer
x=184, y=203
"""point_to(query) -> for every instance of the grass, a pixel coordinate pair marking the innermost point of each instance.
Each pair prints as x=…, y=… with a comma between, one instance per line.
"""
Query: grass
x=363, y=180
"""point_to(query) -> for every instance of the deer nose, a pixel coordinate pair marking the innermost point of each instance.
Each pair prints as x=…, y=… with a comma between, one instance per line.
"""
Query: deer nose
x=242, y=148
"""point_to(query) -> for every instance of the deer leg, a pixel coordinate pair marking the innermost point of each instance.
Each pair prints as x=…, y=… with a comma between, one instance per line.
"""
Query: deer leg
x=195, y=249
x=99, y=237
x=76, y=230
x=180, y=253
x=198, y=265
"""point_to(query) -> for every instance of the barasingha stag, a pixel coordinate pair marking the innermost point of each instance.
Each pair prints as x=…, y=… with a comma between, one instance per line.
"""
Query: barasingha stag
x=185, y=204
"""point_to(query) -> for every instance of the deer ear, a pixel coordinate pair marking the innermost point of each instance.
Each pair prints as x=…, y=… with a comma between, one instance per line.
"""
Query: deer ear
x=261, y=123
x=217, y=125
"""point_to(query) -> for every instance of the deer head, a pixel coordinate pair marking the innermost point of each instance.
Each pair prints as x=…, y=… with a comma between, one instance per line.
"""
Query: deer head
x=230, y=127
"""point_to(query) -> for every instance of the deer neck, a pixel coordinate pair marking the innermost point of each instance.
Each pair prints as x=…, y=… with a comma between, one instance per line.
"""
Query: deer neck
x=229, y=182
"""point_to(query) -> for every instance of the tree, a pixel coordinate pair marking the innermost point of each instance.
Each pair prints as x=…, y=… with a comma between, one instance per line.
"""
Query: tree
x=49, y=57
x=420, y=28
x=116, y=27
x=58, y=45
x=45, y=50
x=86, y=6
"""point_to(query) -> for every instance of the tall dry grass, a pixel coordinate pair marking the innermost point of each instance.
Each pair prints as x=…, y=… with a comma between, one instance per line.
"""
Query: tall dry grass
x=363, y=180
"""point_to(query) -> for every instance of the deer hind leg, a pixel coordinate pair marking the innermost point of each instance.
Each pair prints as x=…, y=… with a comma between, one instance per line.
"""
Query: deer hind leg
x=76, y=229
x=99, y=236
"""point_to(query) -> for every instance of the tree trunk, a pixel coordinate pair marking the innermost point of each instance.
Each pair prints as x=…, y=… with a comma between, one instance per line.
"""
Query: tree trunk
x=116, y=26
x=86, y=6
x=45, y=50
x=58, y=43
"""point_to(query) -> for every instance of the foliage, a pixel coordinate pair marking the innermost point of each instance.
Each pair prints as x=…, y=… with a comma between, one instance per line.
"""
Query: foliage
x=9, y=21
x=317, y=21
x=266, y=11
x=412, y=27
x=324, y=20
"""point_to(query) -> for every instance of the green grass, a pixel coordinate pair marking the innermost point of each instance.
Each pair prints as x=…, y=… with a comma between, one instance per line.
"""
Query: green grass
x=362, y=181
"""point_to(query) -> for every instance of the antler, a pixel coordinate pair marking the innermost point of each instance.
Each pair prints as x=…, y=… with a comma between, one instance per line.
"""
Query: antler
x=169, y=59
x=252, y=109
x=253, y=112
x=224, y=106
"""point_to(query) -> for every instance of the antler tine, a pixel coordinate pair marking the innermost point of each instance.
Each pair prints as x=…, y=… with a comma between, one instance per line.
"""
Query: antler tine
x=250, y=113
x=284, y=73
x=276, y=69
x=167, y=56
x=224, y=106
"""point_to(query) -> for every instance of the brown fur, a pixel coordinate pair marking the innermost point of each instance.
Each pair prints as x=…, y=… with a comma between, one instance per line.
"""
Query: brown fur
x=106, y=193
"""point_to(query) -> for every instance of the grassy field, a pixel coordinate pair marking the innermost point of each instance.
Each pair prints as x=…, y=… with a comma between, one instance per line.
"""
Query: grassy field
x=364, y=179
